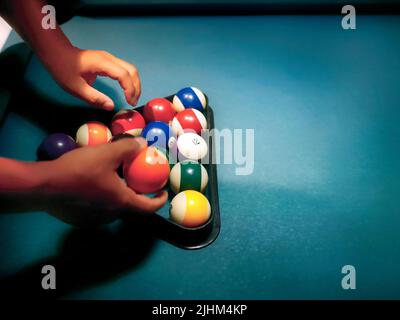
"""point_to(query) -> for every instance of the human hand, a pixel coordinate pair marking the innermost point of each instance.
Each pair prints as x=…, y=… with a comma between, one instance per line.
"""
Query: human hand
x=90, y=174
x=79, y=69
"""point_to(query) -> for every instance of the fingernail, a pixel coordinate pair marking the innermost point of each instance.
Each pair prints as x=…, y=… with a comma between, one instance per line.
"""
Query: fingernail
x=109, y=105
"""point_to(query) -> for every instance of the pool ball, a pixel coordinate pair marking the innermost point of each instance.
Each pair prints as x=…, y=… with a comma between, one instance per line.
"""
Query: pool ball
x=55, y=145
x=189, y=120
x=189, y=97
x=159, y=134
x=159, y=109
x=92, y=134
x=190, y=209
x=191, y=146
x=188, y=175
x=148, y=172
x=127, y=121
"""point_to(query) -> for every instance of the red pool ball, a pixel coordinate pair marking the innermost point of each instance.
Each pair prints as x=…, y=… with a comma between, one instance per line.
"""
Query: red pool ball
x=159, y=109
x=148, y=172
x=127, y=121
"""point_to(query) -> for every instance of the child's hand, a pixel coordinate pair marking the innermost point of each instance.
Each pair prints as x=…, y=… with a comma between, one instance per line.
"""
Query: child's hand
x=89, y=174
x=75, y=70
x=79, y=68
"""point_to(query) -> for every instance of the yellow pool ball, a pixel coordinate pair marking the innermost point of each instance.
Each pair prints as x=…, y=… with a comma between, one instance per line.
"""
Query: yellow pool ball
x=190, y=209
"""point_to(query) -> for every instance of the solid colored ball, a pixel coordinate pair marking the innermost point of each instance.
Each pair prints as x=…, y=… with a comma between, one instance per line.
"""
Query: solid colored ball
x=188, y=175
x=148, y=172
x=159, y=109
x=189, y=97
x=189, y=120
x=127, y=121
x=190, y=209
x=159, y=134
x=93, y=134
x=191, y=146
x=55, y=145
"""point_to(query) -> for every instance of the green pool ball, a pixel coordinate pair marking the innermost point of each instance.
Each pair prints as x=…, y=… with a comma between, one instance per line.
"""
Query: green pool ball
x=188, y=175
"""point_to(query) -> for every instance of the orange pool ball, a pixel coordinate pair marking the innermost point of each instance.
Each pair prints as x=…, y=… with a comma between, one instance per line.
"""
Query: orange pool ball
x=92, y=134
x=148, y=172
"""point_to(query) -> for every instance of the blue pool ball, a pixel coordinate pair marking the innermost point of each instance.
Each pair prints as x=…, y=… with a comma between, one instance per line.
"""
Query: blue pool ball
x=159, y=134
x=55, y=145
x=189, y=97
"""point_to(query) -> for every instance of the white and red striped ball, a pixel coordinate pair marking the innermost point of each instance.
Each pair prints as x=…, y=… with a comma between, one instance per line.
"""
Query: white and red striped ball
x=127, y=121
x=189, y=120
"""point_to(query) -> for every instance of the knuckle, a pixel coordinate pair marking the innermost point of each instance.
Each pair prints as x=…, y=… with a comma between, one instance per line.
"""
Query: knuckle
x=125, y=201
x=96, y=100
x=124, y=74
x=130, y=144
x=135, y=71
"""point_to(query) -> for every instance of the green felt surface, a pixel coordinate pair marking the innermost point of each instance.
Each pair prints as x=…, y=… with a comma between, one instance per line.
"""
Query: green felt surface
x=324, y=104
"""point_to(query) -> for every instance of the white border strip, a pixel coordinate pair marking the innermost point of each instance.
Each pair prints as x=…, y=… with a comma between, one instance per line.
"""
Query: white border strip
x=5, y=30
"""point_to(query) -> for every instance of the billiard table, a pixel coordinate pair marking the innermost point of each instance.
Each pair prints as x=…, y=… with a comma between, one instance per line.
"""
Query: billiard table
x=324, y=187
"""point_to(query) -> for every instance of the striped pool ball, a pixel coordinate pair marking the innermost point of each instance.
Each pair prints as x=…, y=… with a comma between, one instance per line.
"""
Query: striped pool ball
x=92, y=134
x=190, y=209
x=159, y=134
x=189, y=120
x=189, y=97
x=188, y=175
x=127, y=121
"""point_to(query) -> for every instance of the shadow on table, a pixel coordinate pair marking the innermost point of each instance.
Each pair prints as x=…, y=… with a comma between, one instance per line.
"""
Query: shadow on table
x=49, y=115
x=87, y=257
x=52, y=117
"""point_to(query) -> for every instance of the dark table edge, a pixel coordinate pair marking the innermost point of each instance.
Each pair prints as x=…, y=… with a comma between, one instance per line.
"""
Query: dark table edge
x=198, y=9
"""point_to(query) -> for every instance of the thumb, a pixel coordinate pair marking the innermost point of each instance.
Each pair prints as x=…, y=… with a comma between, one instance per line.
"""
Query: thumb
x=92, y=96
x=127, y=148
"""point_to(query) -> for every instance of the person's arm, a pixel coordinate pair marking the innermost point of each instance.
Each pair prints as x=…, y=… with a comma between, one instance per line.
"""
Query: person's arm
x=86, y=173
x=21, y=177
x=74, y=69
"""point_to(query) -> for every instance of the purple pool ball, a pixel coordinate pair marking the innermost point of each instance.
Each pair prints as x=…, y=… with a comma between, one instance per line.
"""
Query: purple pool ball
x=55, y=145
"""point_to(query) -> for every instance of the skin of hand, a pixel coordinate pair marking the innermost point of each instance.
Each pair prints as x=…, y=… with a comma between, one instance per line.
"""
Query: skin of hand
x=74, y=69
x=82, y=187
x=90, y=173
x=80, y=68
x=87, y=174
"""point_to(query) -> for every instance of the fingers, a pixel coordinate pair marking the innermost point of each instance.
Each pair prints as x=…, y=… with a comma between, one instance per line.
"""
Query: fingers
x=133, y=73
x=92, y=96
x=126, y=149
x=125, y=73
x=141, y=203
x=127, y=198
